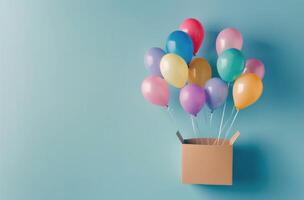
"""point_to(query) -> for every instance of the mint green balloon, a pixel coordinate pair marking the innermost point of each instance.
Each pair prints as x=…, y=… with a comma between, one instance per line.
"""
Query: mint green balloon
x=230, y=64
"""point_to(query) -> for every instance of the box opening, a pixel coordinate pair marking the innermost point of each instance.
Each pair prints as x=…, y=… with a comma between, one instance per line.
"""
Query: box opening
x=207, y=141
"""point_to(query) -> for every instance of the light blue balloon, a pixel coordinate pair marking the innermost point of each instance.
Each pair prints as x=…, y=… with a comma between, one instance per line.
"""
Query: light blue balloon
x=216, y=93
x=181, y=44
x=230, y=64
x=152, y=60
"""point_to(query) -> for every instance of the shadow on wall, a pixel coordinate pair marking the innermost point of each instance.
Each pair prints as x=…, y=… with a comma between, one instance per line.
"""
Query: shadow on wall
x=250, y=175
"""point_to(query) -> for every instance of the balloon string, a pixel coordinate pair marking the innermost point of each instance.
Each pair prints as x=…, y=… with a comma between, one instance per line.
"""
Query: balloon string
x=196, y=125
x=170, y=112
x=229, y=129
x=197, y=128
x=210, y=125
x=210, y=119
x=222, y=119
x=205, y=117
x=193, y=126
x=229, y=118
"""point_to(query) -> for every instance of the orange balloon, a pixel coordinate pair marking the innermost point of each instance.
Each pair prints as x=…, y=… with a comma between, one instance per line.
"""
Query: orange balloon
x=199, y=71
x=247, y=89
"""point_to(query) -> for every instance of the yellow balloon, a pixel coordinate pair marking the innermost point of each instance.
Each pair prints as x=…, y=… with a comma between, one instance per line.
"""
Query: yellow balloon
x=247, y=89
x=174, y=70
x=199, y=71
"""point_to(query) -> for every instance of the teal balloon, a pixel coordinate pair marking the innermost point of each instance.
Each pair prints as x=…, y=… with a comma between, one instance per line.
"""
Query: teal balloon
x=230, y=64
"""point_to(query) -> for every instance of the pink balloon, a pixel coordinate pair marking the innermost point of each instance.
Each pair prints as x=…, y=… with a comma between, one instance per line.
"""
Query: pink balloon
x=195, y=30
x=227, y=39
x=155, y=90
x=255, y=66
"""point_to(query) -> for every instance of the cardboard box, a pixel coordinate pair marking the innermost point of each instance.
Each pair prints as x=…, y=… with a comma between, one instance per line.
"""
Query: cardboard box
x=204, y=162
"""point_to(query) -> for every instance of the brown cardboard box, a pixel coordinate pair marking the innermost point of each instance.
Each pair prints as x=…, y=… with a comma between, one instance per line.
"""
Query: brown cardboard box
x=204, y=162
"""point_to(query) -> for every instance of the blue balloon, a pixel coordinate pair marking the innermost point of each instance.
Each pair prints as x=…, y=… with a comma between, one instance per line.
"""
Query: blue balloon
x=181, y=44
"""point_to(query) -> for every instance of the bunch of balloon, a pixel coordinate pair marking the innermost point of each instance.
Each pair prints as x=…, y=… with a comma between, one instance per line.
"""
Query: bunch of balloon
x=230, y=62
x=192, y=96
x=180, y=47
x=174, y=65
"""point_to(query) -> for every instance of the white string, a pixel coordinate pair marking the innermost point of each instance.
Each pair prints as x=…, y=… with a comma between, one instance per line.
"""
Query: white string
x=205, y=117
x=229, y=129
x=222, y=119
x=210, y=120
x=210, y=124
x=196, y=125
x=193, y=126
x=170, y=112
x=231, y=114
x=197, y=128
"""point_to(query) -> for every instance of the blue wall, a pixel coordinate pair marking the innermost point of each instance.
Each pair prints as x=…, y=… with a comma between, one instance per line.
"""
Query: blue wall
x=73, y=124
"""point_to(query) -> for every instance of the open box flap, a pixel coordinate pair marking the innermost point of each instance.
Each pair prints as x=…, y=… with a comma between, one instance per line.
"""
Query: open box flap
x=234, y=137
x=180, y=137
x=231, y=141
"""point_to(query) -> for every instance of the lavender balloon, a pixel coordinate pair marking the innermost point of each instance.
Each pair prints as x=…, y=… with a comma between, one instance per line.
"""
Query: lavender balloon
x=152, y=60
x=216, y=93
x=192, y=98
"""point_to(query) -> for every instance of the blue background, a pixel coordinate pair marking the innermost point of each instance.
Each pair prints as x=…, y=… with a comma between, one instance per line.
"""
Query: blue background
x=73, y=124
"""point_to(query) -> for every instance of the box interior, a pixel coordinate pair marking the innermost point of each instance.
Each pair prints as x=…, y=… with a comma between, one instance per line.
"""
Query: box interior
x=206, y=141
x=209, y=141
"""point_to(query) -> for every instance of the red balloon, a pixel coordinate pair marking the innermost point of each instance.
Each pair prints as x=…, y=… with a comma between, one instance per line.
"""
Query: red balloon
x=195, y=30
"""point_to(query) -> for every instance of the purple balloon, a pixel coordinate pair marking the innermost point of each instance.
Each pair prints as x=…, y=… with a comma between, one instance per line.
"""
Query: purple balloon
x=192, y=98
x=152, y=60
x=216, y=93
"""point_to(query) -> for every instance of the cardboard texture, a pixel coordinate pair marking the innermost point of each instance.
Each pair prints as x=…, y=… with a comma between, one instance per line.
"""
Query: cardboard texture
x=204, y=162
